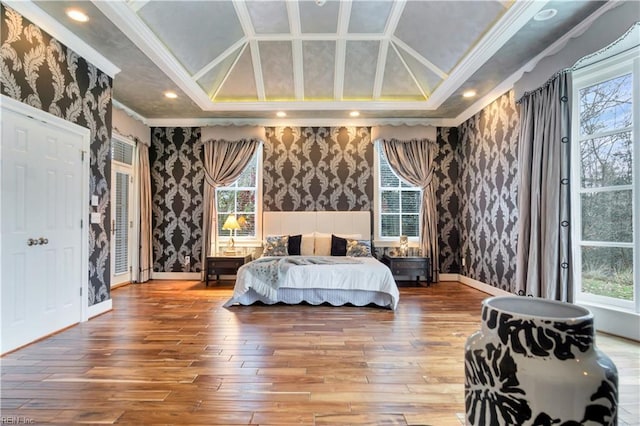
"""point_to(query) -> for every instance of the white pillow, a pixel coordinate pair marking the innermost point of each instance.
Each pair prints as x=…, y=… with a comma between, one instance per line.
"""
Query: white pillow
x=323, y=242
x=307, y=245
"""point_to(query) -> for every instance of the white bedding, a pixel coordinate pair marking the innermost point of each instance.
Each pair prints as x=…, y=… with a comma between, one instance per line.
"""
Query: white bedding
x=358, y=283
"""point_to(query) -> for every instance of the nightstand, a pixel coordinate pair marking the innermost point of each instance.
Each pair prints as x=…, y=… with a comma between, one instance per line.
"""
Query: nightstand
x=415, y=266
x=225, y=264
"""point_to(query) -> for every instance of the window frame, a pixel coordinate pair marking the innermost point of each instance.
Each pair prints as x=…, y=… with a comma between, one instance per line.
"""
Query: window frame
x=379, y=240
x=247, y=241
x=616, y=66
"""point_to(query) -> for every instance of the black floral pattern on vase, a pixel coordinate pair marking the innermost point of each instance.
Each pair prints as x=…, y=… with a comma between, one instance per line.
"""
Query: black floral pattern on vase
x=492, y=392
x=38, y=70
x=538, y=337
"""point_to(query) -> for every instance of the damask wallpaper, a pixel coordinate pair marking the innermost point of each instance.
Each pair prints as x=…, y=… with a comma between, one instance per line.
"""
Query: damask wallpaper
x=487, y=187
x=177, y=183
x=447, y=172
x=318, y=169
x=38, y=70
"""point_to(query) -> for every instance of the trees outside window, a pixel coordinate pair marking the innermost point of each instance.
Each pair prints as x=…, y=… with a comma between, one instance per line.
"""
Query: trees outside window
x=604, y=188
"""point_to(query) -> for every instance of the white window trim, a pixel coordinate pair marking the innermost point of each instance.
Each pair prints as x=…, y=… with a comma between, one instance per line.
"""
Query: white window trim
x=255, y=240
x=378, y=240
x=611, y=312
x=135, y=208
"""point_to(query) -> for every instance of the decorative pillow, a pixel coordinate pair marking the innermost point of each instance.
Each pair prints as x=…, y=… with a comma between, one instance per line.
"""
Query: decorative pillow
x=359, y=248
x=338, y=246
x=323, y=242
x=307, y=245
x=293, y=246
x=276, y=245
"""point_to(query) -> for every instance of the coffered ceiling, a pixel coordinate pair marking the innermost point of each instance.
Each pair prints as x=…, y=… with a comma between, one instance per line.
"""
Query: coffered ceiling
x=246, y=59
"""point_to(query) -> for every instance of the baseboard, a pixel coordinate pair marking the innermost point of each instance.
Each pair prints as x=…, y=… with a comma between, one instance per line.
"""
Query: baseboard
x=99, y=308
x=449, y=277
x=485, y=288
x=190, y=276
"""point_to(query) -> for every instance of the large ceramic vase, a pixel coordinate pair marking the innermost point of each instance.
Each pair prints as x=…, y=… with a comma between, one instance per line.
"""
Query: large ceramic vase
x=534, y=362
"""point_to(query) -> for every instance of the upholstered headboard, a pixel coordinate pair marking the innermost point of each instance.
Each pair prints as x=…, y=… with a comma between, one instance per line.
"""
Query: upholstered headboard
x=290, y=223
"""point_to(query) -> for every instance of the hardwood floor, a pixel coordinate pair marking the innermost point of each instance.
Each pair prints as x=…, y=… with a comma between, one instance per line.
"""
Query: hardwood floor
x=169, y=353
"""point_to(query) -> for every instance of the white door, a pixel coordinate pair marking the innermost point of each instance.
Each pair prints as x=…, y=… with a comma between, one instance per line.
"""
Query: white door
x=121, y=223
x=42, y=183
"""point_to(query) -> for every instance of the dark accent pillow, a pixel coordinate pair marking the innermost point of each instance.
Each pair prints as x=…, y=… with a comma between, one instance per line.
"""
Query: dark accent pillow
x=294, y=245
x=338, y=246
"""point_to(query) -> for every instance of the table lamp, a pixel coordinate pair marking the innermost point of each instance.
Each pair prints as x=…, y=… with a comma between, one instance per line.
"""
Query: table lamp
x=404, y=245
x=231, y=224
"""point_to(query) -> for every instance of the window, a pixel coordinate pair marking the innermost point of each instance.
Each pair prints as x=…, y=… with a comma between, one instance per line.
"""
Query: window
x=398, y=204
x=241, y=199
x=605, y=183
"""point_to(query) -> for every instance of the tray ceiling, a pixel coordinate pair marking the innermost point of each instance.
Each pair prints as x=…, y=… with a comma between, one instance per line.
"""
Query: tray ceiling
x=247, y=59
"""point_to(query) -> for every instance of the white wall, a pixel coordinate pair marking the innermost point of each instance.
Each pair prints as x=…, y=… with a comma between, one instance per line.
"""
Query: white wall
x=127, y=126
x=604, y=31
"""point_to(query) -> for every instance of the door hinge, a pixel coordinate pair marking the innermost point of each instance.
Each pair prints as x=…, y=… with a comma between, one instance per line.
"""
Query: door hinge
x=80, y=291
x=82, y=155
x=81, y=223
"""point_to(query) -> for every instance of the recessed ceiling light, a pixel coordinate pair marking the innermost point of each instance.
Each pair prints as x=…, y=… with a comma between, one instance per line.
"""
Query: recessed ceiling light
x=469, y=94
x=545, y=14
x=281, y=114
x=170, y=95
x=77, y=15
x=354, y=114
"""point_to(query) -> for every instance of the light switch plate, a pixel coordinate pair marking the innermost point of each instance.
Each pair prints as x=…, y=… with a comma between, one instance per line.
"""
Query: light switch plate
x=94, y=200
x=96, y=217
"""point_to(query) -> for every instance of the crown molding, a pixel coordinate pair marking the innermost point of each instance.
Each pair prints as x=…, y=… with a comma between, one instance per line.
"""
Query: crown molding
x=123, y=17
x=61, y=33
x=298, y=122
x=131, y=113
x=510, y=81
x=513, y=20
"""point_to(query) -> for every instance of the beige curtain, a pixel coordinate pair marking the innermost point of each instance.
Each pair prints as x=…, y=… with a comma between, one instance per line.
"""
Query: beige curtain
x=224, y=162
x=144, y=173
x=413, y=161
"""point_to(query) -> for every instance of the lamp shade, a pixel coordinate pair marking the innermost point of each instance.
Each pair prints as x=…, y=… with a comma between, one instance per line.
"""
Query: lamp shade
x=231, y=223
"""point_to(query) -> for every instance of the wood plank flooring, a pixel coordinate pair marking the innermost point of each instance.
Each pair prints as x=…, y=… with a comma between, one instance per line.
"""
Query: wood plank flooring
x=169, y=353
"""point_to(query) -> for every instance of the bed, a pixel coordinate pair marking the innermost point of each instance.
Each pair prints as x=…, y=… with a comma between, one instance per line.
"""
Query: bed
x=314, y=276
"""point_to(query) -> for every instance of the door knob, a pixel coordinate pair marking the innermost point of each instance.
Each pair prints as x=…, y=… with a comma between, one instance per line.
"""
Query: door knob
x=31, y=242
x=42, y=241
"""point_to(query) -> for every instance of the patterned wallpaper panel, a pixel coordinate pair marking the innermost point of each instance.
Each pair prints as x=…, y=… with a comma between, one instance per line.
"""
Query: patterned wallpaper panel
x=318, y=169
x=448, y=199
x=39, y=71
x=177, y=182
x=487, y=186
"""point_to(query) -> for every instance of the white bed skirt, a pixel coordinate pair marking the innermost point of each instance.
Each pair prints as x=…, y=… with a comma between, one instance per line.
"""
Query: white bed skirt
x=317, y=296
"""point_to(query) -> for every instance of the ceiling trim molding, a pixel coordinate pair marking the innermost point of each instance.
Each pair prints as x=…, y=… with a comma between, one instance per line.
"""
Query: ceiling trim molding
x=511, y=22
x=131, y=113
x=424, y=61
x=300, y=122
x=320, y=106
x=344, y=14
x=297, y=56
x=510, y=81
x=216, y=91
x=58, y=31
x=136, y=5
x=221, y=57
x=123, y=17
x=413, y=76
x=383, y=50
